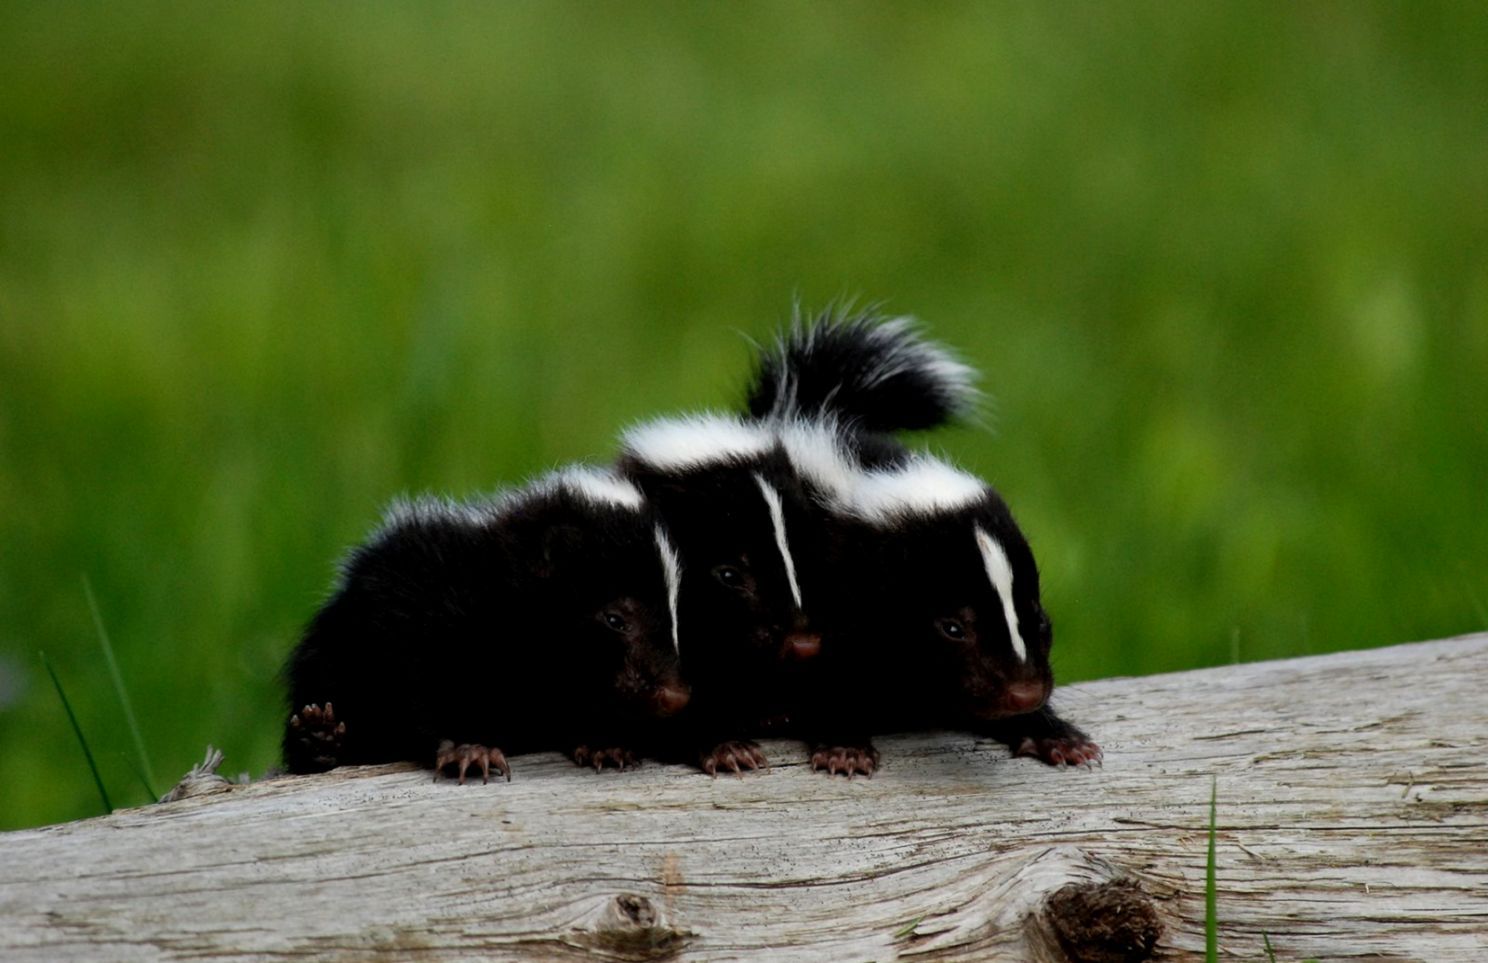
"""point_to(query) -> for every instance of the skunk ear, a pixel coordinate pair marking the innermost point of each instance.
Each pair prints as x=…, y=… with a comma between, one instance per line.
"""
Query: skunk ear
x=559, y=544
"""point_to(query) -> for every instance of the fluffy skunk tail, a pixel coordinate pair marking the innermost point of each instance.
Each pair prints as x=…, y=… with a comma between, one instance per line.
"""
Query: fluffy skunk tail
x=872, y=373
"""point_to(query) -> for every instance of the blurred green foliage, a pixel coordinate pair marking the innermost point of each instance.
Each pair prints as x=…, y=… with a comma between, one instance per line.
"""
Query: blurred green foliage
x=1225, y=267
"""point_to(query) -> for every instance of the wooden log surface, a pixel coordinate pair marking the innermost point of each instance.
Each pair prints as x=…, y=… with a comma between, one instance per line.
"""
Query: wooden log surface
x=1353, y=825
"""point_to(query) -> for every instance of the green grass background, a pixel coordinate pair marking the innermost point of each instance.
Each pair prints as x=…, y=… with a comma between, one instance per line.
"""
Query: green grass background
x=1225, y=267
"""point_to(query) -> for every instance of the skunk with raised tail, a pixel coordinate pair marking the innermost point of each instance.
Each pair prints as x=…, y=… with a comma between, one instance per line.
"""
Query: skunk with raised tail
x=931, y=574
x=460, y=632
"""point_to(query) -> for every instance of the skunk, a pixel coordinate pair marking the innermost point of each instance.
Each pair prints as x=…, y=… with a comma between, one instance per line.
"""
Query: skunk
x=748, y=536
x=542, y=619
x=932, y=575
x=934, y=578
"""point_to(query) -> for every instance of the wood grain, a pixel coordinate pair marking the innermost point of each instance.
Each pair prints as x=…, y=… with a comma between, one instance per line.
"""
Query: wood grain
x=1353, y=812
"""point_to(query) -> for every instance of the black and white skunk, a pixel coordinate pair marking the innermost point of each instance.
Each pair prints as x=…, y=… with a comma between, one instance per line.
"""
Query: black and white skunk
x=931, y=574
x=542, y=619
x=934, y=578
x=749, y=538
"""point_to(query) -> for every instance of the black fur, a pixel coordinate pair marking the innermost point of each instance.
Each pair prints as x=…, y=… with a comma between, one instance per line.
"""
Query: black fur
x=743, y=636
x=490, y=625
x=867, y=372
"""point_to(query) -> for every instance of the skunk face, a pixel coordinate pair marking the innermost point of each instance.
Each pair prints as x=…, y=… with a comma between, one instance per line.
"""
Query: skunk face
x=606, y=582
x=963, y=600
x=739, y=528
x=1007, y=634
x=953, y=581
x=734, y=504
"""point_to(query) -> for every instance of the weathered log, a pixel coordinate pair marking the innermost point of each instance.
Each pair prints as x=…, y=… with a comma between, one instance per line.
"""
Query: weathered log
x=1353, y=824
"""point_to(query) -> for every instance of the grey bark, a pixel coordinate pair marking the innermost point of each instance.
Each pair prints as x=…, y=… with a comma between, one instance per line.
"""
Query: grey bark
x=1353, y=824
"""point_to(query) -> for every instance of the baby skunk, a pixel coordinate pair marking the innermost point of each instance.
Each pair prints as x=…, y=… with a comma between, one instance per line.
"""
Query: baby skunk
x=932, y=574
x=935, y=579
x=746, y=532
x=543, y=619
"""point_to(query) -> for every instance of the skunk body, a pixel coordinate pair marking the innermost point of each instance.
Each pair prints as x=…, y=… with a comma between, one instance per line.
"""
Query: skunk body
x=930, y=572
x=544, y=619
x=750, y=541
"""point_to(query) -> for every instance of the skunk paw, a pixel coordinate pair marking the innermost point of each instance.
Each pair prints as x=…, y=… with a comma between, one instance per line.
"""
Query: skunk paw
x=318, y=735
x=1070, y=750
x=615, y=756
x=471, y=754
x=847, y=760
x=735, y=755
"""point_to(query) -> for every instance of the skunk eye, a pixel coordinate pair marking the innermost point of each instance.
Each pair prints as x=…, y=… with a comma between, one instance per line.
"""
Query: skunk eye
x=951, y=629
x=729, y=576
x=614, y=621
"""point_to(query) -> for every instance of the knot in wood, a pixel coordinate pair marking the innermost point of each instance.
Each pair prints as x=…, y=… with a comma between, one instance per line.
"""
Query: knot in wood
x=637, y=910
x=1110, y=922
x=629, y=927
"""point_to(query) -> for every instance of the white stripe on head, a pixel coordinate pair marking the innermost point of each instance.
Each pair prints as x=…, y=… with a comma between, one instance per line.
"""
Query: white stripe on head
x=922, y=486
x=672, y=568
x=694, y=440
x=777, y=518
x=1001, y=575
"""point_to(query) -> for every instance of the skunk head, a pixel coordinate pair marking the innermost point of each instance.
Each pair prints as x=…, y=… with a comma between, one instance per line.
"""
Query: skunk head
x=731, y=502
x=604, y=579
x=958, y=587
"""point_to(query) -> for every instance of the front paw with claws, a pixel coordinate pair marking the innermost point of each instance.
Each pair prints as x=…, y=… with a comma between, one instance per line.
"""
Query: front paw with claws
x=616, y=756
x=318, y=735
x=735, y=756
x=466, y=755
x=847, y=760
x=1071, y=750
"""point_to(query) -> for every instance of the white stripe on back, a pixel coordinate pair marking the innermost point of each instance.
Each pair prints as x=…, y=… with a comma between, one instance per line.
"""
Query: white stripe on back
x=777, y=517
x=691, y=441
x=815, y=450
x=1001, y=575
x=921, y=486
x=600, y=486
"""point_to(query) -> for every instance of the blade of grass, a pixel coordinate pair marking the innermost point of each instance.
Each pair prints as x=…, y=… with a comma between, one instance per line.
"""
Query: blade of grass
x=108, y=807
x=144, y=783
x=143, y=769
x=1211, y=911
x=1270, y=953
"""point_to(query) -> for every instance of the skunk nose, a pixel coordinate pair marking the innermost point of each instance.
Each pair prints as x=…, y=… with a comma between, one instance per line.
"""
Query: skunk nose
x=669, y=699
x=1025, y=696
x=802, y=645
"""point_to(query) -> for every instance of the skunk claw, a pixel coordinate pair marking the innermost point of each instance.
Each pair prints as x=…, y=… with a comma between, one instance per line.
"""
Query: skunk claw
x=618, y=756
x=735, y=755
x=1073, y=751
x=319, y=734
x=847, y=760
x=466, y=755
